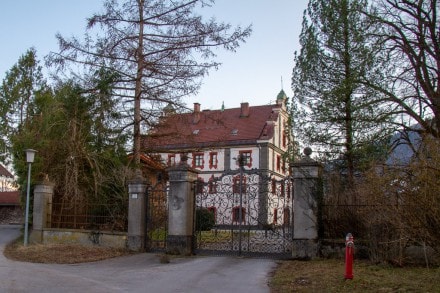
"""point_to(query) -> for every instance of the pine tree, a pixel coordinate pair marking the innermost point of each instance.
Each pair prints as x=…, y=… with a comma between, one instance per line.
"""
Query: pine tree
x=331, y=109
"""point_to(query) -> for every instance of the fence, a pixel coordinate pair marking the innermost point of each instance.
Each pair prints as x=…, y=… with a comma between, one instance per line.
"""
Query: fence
x=89, y=216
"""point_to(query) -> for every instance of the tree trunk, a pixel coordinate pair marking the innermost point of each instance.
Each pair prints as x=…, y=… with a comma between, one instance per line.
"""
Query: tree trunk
x=138, y=89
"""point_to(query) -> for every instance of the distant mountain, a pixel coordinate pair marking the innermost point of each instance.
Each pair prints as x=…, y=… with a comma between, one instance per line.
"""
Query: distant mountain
x=405, y=145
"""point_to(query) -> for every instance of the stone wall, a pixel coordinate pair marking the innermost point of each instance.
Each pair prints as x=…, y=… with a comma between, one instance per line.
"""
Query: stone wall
x=85, y=237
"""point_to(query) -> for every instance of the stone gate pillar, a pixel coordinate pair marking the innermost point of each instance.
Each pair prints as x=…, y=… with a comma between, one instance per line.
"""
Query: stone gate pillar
x=307, y=192
x=137, y=204
x=42, y=211
x=181, y=208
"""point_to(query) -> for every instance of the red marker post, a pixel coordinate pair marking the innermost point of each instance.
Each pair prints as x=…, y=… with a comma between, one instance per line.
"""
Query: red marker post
x=349, y=251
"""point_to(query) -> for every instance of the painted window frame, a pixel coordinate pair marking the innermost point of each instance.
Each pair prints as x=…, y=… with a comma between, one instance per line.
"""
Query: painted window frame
x=248, y=157
x=278, y=162
x=236, y=184
x=171, y=161
x=236, y=214
x=199, y=185
x=275, y=216
x=286, y=217
x=213, y=160
x=212, y=185
x=198, y=160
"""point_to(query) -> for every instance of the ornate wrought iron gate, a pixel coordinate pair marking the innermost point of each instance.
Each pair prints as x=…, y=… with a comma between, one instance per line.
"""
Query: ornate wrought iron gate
x=250, y=214
x=157, y=217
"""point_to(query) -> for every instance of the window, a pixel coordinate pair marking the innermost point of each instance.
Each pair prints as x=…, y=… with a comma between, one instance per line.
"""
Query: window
x=284, y=139
x=283, y=189
x=274, y=186
x=199, y=185
x=286, y=217
x=212, y=185
x=275, y=216
x=247, y=158
x=198, y=161
x=236, y=184
x=171, y=160
x=236, y=214
x=213, y=161
x=278, y=162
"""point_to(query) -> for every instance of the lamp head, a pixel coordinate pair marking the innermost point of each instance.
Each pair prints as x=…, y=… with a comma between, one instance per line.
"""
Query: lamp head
x=30, y=155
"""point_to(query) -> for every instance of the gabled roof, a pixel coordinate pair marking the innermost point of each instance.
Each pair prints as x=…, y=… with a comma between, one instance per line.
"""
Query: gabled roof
x=4, y=172
x=212, y=128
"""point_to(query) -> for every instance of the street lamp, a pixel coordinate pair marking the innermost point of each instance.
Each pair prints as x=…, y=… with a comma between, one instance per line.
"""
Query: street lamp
x=30, y=155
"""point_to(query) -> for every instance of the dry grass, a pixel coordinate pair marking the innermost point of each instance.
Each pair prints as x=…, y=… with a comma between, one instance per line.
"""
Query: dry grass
x=328, y=276
x=59, y=253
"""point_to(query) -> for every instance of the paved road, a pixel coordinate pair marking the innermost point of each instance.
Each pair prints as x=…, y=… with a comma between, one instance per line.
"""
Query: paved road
x=135, y=273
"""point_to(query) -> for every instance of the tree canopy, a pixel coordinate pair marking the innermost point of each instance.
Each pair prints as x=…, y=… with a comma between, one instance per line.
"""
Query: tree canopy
x=158, y=50
x=410, y=37
x=331, y=109
x=18, y=91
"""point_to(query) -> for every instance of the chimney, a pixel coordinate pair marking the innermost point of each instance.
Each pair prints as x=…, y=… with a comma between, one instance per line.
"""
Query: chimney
x=196, y=114
x=196, y=107
x=244, y=110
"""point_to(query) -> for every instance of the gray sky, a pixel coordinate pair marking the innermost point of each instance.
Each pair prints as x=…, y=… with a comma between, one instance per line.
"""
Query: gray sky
x=252, y=74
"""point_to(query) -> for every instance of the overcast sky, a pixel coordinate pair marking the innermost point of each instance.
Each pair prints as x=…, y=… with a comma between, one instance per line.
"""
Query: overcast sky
x=252, y=74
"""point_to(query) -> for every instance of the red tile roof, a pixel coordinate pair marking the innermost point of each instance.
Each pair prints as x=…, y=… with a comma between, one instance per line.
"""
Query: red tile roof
x=9, y=198
x=211, y=128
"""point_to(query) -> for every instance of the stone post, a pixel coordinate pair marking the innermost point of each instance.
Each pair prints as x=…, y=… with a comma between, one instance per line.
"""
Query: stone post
x=306, y=174
x=42, y=211
x=137, y=204
x=181, y=208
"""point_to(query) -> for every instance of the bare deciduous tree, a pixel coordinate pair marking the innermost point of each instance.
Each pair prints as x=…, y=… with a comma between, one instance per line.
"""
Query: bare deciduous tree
x=410, y=36
x=158, y=49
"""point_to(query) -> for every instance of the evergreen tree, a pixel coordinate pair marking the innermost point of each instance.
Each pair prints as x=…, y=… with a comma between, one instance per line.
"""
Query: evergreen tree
x=70, y=149
x=18, y=91
x=331, y=109
x=72, y=129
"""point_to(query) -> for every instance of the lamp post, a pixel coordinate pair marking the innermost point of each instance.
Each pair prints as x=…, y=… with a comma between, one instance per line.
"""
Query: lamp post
x=30, y=155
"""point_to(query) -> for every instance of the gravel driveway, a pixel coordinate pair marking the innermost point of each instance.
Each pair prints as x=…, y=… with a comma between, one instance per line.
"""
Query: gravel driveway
x=134, y=273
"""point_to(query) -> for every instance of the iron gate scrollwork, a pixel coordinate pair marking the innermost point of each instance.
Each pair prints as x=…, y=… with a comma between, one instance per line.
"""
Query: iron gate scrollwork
x=157, y=217
x=252, y=215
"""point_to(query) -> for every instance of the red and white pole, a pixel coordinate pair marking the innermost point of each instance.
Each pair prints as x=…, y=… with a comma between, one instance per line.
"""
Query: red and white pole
x=349, y=251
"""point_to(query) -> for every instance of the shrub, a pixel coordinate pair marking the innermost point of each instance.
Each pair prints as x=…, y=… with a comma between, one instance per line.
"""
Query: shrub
x=204, y=219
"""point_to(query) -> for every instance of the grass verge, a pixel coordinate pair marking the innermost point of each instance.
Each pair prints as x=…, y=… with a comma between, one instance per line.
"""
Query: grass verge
x=327, y=275
x=59, y=253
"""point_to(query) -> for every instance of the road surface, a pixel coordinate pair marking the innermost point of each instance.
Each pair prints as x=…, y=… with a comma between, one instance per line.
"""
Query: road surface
x=135, y=273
